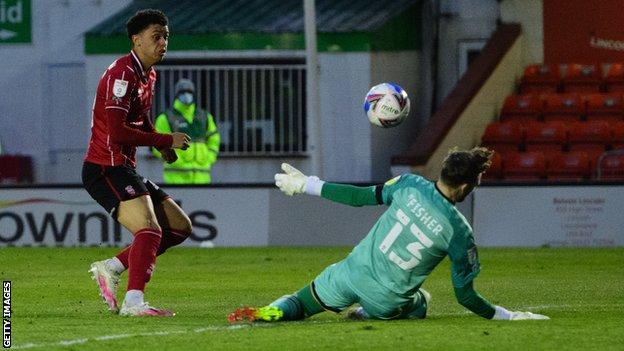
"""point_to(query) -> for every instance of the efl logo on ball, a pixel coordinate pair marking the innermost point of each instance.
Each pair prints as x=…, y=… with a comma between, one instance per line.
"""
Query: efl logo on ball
x=386, y=105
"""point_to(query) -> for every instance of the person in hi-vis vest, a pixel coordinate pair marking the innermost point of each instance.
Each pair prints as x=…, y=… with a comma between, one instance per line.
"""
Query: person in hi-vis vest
x=193, y=164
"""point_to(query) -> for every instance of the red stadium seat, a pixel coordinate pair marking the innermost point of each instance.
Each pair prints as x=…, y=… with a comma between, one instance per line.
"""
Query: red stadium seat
x=540, y=78
x=611, y=167
x=591, y=137
x=522, y=108
x=606, y=107
x=563, y=107
x=582, y=78
x=16, y=169
x=617, y=134
x=614, y=77
x=525, y=166
x=547, y=137
x=569, y=166
x=503, y=137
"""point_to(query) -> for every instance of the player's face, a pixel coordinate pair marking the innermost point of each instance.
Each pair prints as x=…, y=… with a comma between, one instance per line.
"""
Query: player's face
x=466, y=189
x=152, y=43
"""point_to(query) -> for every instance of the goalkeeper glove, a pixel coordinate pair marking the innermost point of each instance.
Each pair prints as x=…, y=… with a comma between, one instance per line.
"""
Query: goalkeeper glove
x=503, y=314
x=293, y=182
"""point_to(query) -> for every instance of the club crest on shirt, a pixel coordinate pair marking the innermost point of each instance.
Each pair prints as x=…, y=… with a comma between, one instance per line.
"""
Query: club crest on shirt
x=130, y=190
x=120, y=87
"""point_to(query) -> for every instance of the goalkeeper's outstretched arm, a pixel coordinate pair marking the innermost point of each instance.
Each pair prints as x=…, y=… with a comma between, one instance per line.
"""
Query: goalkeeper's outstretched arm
x=293, y=182
x=473, y=301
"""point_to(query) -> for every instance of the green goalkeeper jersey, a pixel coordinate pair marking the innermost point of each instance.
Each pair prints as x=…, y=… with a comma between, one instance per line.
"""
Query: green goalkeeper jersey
x=411, y=238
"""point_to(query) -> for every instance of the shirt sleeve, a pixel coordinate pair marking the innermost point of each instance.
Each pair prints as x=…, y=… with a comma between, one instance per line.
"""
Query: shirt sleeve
x=119, y=87
x=473, y=301
x=120, y=133
x=349, y=194
x=464, y=258
x=389, y=188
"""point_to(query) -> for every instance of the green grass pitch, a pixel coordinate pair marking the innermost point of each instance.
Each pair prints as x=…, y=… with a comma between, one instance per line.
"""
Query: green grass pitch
x=55, y=304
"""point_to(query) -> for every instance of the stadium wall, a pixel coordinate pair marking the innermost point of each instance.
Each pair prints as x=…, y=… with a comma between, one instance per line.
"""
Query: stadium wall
x=263, y=216
x=529, y=14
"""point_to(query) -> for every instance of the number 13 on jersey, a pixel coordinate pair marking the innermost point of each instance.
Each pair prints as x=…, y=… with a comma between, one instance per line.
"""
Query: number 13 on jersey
x=413, y=248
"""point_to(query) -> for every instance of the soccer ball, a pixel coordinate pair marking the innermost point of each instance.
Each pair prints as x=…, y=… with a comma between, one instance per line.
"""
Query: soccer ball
x=386, y=105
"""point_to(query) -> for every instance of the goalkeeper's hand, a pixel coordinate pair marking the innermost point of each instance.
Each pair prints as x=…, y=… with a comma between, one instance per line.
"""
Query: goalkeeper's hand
x=503, y=314
x=293, y=182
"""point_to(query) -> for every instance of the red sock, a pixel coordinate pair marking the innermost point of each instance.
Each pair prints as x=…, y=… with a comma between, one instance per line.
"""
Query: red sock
x=142, y=257
x=124, y=255
x=171, y=238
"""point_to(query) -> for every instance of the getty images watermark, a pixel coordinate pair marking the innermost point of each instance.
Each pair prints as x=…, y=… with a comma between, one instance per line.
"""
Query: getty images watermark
x=6, y=314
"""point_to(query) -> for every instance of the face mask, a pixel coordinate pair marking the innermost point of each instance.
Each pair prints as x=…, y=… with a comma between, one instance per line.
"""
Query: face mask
x=186, y=98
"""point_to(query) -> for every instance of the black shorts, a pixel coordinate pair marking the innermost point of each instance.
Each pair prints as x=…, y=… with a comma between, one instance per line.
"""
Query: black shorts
x=111, y=185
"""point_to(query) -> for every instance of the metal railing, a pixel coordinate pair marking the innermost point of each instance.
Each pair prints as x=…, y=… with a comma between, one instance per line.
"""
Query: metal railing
x=599, y=170
x=259, y=109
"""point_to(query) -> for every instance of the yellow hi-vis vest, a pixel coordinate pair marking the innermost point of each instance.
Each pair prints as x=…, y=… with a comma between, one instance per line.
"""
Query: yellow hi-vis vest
x=193, y=164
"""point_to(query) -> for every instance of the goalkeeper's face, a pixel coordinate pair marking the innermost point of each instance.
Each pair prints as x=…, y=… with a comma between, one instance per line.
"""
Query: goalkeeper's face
x=466, y=189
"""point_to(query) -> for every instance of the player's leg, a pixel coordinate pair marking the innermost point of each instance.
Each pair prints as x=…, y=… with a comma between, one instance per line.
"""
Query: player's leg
x=175, y=225
x=300, y=305
x=328, y=292
x=419, y=305
x=138, y=216
x=386, y=307
x=121, y=191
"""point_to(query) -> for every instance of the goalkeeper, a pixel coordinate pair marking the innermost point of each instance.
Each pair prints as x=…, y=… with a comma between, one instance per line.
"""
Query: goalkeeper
x=385, y=270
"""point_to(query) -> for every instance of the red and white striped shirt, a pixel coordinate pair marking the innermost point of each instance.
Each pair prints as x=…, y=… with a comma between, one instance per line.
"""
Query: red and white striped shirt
x=121, y=114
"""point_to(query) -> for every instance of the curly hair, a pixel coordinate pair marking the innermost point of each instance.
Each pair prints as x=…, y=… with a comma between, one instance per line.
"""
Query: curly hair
x=464, y=166
x=143, y=19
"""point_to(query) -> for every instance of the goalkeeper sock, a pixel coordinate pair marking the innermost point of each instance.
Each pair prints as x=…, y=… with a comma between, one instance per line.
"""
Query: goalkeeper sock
x=311, y=305
x=301, y=305
x=291, y=306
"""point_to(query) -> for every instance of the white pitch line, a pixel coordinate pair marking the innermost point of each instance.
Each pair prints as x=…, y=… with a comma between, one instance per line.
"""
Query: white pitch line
x=31, y=345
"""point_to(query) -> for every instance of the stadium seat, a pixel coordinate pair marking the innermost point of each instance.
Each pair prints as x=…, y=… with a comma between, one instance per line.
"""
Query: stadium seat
x=582, y=78
x=617, y=135
x=522, y=108
x=614, y=77
x=563, y=107
x=16, y=169
x=503, y=137
x=495, y=172
x=569, y=166
x=611, y=167
x=540, y=78
x=525, y=166
x=606, y=107
x=550, y=138
x=592, y=138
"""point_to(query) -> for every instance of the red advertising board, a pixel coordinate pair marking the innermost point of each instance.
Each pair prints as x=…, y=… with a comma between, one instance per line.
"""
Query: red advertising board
x=583, y=31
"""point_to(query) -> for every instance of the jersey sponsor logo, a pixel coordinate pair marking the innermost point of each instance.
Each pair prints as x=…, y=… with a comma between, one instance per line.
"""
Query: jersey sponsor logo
x=392, y=181
x=120, y=87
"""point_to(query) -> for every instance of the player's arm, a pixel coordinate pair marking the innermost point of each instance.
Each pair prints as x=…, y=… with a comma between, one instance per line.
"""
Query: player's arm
x=465, y=267
x=120, y=133
x=161, y=125
x=118, y=97
x=293, y=182
x=473, y=301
